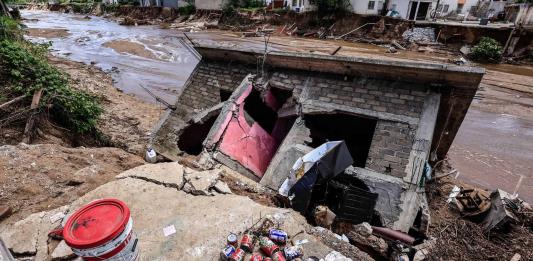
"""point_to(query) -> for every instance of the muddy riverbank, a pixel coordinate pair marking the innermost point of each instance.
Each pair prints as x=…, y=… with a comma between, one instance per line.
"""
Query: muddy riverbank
x=135, y=56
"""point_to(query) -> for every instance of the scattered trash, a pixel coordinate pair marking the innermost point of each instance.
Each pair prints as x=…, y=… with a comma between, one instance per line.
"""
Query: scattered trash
x=502, y=211
x=324, y=163
x=455, y=191
x=170, y=230
x=470, y=202
x=151, y=156
x=263, y=241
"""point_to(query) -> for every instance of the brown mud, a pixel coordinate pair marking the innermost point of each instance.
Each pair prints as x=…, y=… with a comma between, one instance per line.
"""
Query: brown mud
x=129, y=47
x=48, y=33
x=41, y=177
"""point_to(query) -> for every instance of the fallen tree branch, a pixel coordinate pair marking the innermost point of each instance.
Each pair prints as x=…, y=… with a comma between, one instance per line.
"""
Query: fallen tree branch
x=30, y=124
x=20, y=98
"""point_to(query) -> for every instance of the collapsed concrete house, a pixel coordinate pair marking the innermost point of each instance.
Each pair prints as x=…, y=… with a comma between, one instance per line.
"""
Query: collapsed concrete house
x=394, y=116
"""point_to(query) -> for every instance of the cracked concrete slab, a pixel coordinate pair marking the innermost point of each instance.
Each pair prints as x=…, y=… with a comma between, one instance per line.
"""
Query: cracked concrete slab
x=62, y=252
x=202, y=182
x=168, y=174
x=202, y=223
x=29, y=237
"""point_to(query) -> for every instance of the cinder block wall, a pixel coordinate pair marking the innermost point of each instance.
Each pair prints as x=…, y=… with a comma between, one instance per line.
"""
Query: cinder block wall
x=393, y=140
x=203, y=90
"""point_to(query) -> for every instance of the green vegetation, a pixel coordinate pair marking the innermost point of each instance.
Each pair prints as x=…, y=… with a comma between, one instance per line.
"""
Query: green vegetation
x=24, y=69
x=487, y=50
x=187, y=10
x=243, y=5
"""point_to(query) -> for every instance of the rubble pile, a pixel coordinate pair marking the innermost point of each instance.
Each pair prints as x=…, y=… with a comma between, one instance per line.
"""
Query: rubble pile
x=419, y=34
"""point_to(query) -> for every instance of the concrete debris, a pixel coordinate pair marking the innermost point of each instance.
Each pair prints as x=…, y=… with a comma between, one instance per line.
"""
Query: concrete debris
x=361, y=235
x=62, y=252
x=336, y=256
x=324, y=217
x=167, y=174
x=222, y=187
x=29, y=237
x=330, y=238
x=516, y=257
x=201, y=183
x=423, y=250
x=198, y=233
x=419, y=34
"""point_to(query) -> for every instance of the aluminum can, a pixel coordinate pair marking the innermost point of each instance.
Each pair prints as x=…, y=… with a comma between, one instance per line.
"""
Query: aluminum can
x=238, y=255
x=268, y=246
x=227, y=252
x=278, y=256
x=256, y=257
x=247, y=243
x=277, y=235
x=293, y=252
x=233, y=240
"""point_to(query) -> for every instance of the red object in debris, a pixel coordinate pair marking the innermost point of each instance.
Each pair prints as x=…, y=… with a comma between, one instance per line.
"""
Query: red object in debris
x=393, y=235
x=238, y=255
x=101, y=230
x=247, y=143
x=256, y=257
x=268, y=246
x=247, y=243
x=278, y=256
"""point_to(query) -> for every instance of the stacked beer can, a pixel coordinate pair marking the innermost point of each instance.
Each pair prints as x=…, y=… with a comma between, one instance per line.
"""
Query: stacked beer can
x=258, y=246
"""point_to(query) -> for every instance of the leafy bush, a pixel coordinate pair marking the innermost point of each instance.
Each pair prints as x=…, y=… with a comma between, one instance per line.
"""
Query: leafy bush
x=9, y=28
x=487, y=50
x=24, y=69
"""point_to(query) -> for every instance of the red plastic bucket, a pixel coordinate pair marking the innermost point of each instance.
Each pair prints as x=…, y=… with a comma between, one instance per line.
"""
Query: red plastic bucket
x=102, y=230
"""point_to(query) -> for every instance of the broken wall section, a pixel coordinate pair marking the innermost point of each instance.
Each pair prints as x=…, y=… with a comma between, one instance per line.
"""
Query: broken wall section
x=210, y=84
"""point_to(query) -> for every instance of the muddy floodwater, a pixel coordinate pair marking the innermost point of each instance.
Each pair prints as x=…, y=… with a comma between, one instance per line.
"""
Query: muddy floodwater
x=135, y=55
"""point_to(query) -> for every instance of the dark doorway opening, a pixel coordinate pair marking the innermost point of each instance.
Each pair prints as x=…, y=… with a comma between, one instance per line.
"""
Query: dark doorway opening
x=357, y=132
x=259, y=112
x=224, y=95
x=423, y=9
x=192, y=137
x=412, y=12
